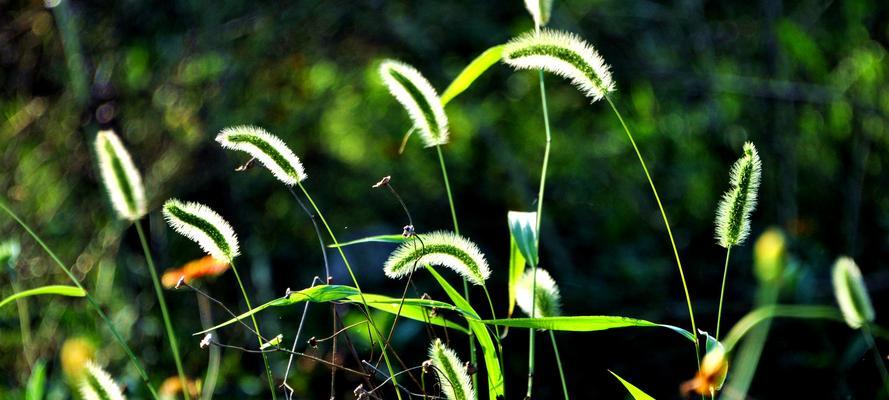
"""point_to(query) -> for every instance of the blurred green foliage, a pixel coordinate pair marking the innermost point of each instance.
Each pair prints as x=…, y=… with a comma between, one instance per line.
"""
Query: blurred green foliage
x=807, y=81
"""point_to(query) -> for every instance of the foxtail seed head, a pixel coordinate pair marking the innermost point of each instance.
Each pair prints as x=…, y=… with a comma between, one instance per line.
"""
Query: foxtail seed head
x=439, y=248
x=565, y=55
x=540, y=11
x=547, y=297
x=204, y=227
x=851, y=293
x=98, y=384
x=419, y=98
x=120, y=176
x=451, y=373
x=269, y=149
x=733, y=213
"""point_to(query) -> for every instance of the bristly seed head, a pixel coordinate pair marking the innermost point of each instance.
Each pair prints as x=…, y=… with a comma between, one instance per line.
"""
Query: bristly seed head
x=851, y=293
x=733, y=213
x=98, y=384
x=439, y=248
x=540, y=11
x=203, y=226
x=120, y=176
x=269, y=149
x=452, y=375
x=547, y=297
x=565, y=55
x=419, y=98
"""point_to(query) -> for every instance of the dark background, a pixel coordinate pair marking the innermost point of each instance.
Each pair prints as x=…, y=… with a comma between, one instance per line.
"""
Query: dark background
x=807, y=81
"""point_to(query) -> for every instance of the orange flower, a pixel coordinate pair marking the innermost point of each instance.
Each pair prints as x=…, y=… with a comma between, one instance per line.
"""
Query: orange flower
x=710, y=377
x=195, y=269
x=172, y=386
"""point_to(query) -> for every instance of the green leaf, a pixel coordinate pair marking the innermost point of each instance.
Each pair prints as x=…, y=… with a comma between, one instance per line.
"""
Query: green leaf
x=9, y=252
x=36, y=382
x=492, y=363
x=472, y=71
x=758, y=315
x=394, y=238
x=61, y=290
x=583, y=324
x=413, y=308
x=523, y=228
x=637, y=393
x=516, y=270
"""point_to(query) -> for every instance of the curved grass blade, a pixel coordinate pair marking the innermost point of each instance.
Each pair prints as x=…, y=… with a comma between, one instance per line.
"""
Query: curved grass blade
x=637, y=393
x=394, y=238
x=61, y=290
x=523, y=227
x=516, y=269
x=583, y=324
x=492, y=364
x=785, y=311
x=468, y=75
x=36, y=382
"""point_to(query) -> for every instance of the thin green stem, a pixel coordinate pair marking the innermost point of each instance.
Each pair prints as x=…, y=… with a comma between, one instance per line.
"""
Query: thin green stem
x=728, y=252
x=355, y=282
x=265, y=359
x=171, y=335
x=532, y=331
x=691, y=314
x=496, y=329
x=543, y=168
x=552, y=337
x=444, y=173
x=92, y=302
x=869, y=337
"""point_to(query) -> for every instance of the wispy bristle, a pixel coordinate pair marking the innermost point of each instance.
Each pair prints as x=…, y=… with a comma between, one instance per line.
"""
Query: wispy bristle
x=439, y=248
x=547, y=297
x=419, y=98
x=98, y=384
x=733, y=213
x=851, y=293
x=565, y=55
x=203, y=226
x=120, y=176
x=452, y=374
x=269, y=149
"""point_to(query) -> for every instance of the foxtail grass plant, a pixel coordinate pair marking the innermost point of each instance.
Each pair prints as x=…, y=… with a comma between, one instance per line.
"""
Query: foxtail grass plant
x=97, y=384
x=274, y=154
x=134, y=360
x=124, y=186
x=733, y=212
x=216, y=237
x=426, y=110
x=452, y=374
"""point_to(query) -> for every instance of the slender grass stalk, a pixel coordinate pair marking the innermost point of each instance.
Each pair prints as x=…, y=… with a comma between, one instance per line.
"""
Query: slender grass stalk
x=657, y=198
x=473, y=358
x=92, y=302
x=265, y=359
x=171, y=335
x=354, y=280
x=552, y=337
x=209, y=385
x=728, y=253
x=532, y=332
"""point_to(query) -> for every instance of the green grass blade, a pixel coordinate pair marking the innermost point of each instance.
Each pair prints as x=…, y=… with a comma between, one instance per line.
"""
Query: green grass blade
x=637, y=393
x=61, y=290
x=396, y=238
x=516, y=270
x=523, y=228
x=492, y=364
x=472, y=71
x=785, y=311
x=583, y=324
x=36, y=382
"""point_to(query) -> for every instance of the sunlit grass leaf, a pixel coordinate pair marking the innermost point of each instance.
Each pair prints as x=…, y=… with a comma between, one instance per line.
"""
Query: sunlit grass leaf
x=451, y=373
x=61, y=290
x=439, y=248
x=583, y=324
x=413, y=308
x=468, y=75
x=492, y=365
x=565, y=55
x=733, y=213
x=419, y=98
x=851, y=293
x=523, y=228
x=516, y=266
x=120, y=176
x=9, y=252
x=203, y=226
x=546, y=302
x=540, y=10
x=745, y=324
x=637, y=393
x=36, y=382
x=98, y=385
x=269, y=149
x=394, y=238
